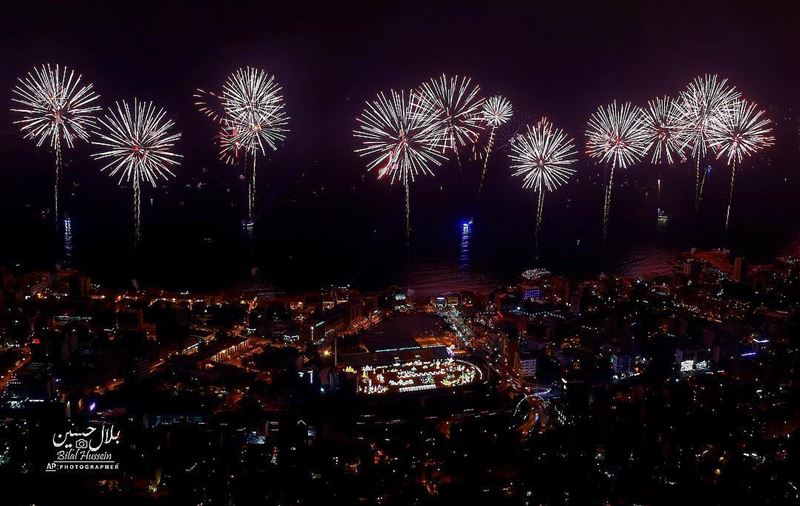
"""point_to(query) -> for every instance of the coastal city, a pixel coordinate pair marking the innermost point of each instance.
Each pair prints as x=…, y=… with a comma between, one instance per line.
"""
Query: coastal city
x=647, y=387
x=400, y=253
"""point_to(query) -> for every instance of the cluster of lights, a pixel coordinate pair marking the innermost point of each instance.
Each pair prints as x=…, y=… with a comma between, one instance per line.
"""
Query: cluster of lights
x=416, y=375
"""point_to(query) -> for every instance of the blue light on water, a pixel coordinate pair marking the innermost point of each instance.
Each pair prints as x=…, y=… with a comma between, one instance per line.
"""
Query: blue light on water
x=466, y=233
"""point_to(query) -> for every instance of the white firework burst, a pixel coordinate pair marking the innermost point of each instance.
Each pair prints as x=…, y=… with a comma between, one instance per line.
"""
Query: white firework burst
x=138, y=145
x=400, y=137
x=663, y=130
x=616, y=135
x=704, y=102
x=543, y=156
x=458, y=106
x=497, y=110
x=253, y=102
x=55, y=106
x=739, y=133
x=266, y=132
x=253, y=99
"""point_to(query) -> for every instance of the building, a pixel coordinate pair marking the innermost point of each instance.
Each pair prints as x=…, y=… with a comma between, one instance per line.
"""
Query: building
x=55, y=347
x=331, y=322
x=693, y=360
x=525, y=365
x=33, y=383
x=739, y=271
x=34, y=283
x=221, y=350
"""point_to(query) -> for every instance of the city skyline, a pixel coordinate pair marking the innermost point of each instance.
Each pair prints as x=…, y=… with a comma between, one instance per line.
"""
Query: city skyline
x=518, y=252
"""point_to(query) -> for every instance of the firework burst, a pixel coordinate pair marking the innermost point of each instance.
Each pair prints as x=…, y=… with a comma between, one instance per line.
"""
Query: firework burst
x=703, y=103
x=252, y=98
x=55, y=107
x=616, y=136
x=496, y=112
x=663, y=130
x=137, y=144
x=458, y=106
x=737, y=134
x=543, y=156
x=253, y=101
x=401, y=138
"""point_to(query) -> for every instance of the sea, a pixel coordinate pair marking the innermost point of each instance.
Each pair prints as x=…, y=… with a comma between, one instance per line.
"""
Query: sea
x=330, y=223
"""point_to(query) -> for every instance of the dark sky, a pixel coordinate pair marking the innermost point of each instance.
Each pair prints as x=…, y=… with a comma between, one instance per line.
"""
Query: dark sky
x=560, y=58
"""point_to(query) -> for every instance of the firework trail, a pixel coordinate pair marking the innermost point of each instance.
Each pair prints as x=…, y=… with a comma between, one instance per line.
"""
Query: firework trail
x=496, y=111
x=703, y=103
x=253, y=100
x=55, y=107
x=458, y=109
x=663, y=134
x=401, y=139
x=138, y=145
x=543, y=156
x=615, y=136
x=739, y=133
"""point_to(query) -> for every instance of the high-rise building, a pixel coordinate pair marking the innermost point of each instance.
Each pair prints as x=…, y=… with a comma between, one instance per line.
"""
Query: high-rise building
x=691, y=269
x=739, y=269
x=525, y=365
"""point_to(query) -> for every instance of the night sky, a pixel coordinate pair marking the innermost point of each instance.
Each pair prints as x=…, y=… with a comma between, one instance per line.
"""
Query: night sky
x=560, y=59
x=556, y=58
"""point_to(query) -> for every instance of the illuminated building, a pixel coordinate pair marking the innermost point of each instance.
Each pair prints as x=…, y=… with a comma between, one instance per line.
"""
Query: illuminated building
x=693, y=361
x=220, y=351
x=525, y=365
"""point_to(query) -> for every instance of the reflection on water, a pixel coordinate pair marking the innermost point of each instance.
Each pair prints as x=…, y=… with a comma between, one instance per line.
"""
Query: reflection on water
x=466, y=234
x=67, y=240
x=428, y=279
x=305, y=242
x=461, y=269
